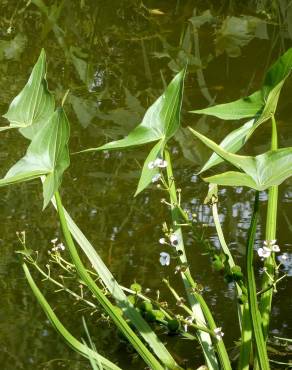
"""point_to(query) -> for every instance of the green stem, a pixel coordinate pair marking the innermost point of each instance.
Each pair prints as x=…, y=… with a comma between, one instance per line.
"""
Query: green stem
x=271, y=227
x=102, y=299
x=242, y=309
x=197, y=302
x=252, y=294
x=226, y=250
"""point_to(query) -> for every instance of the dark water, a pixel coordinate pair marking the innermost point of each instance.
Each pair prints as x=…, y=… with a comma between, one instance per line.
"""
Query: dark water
x=115, y=57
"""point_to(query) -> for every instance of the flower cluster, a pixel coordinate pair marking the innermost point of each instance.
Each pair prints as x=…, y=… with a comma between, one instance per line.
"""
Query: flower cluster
x=218, y=333
x=173, y=241
x=57, y=247
x=158, y=163
x=269, y=247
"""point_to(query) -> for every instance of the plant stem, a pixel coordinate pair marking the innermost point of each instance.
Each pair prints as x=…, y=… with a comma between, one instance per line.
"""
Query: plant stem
x=271, y=227
x=252, y=294
x=226, y=250
x=102, y=299
x=199, y=307
x=242, y=309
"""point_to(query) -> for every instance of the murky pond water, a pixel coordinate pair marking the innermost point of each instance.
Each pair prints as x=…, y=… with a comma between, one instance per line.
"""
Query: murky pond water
x=116, y=57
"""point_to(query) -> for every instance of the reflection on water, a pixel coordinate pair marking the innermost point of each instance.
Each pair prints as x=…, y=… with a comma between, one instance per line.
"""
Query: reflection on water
x=116, y=57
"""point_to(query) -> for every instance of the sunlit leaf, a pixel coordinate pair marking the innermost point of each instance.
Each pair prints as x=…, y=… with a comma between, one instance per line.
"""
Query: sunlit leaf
x=252, y=105
x=231, y=143
x=260, y=172
x=278, y=72
x=147, y=173
x=269, y=107
x=241, y=108
x=261, y=105
x=47, y=155
x=34, y=105
x=232, y=178
x=161, y=120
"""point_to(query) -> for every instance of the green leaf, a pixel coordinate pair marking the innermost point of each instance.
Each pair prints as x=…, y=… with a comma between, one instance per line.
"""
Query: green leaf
x=147, y=174
x=269, y=107
x=232, y=178
x=241, y=108
x=260, y=172
x=34, y=105
x=161, y=120
x=245, y=163
x=47, y=154
x=265, y=99
x=279, y=71
x=69, y=338
x=231, y=143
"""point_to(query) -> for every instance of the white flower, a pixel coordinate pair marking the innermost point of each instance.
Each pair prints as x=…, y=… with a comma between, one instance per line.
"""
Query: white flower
x=162, y=241
x=164, y=259
x=264, y=252
x=269, y=247
x=61, y=246
x=54, y=241
x=275, y=248
x=272, y=245
x=156, y=177
x=283, y=257
x=218, y=333
x=151, y=165
x=173, y=240
x=159, y=162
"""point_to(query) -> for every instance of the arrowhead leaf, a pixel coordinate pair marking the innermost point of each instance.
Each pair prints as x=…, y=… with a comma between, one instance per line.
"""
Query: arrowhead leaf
x=47, y=154
x=34, y=105
x=161, y=120
x=260, y=172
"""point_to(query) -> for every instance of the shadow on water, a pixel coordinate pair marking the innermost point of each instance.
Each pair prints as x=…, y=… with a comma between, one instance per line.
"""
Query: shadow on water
x=116, y=57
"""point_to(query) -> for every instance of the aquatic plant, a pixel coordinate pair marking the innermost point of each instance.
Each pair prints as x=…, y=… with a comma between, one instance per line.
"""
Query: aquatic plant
x=33, y=113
